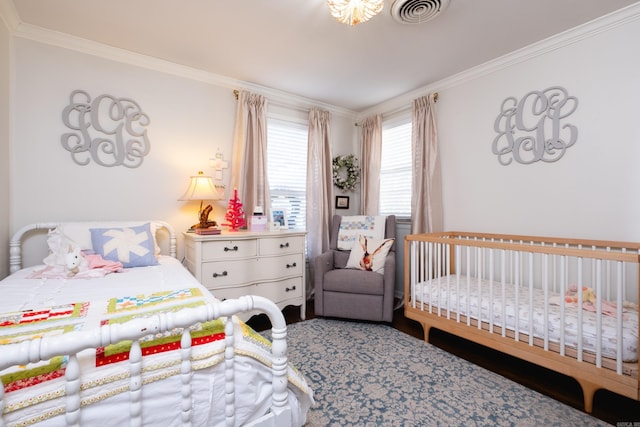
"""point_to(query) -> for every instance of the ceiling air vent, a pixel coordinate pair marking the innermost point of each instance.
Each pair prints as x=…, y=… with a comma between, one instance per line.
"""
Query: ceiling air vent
x=417, y=11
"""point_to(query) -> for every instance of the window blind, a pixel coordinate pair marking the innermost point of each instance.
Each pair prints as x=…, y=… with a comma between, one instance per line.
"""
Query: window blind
x=287, y=170
x=395, y=170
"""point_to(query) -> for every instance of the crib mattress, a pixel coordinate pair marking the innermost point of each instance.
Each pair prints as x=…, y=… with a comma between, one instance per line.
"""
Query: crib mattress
x=479, y=301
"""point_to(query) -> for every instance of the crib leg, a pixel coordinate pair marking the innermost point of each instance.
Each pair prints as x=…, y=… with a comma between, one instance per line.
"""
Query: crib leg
x=588, y=391
x=426, y=328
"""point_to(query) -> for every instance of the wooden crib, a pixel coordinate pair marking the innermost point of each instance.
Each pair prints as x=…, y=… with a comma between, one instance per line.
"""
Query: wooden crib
x=521, y=295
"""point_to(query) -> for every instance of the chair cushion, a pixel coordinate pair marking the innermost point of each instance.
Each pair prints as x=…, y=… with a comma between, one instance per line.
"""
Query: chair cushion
x=354, y=281
x=369, y=254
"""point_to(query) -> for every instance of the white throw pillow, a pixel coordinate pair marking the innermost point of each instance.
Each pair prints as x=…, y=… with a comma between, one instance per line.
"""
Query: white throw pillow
x=369, y=254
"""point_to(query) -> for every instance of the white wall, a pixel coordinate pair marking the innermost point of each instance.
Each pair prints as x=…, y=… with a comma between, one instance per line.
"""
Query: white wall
x=190, y=120
x=592, y=192
x=5, y=83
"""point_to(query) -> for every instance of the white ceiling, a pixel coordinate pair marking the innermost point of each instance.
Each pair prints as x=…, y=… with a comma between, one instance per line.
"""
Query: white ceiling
x=295, y=46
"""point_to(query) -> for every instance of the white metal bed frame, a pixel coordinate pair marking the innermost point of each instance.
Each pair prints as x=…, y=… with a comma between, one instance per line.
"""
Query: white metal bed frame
x=72, y=343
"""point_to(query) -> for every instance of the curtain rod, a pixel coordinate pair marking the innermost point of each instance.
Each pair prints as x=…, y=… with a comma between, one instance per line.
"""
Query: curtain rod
x=435, y=99
x=236, y=94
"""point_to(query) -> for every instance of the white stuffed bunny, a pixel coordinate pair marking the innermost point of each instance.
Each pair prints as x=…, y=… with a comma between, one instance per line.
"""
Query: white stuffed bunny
x=73, y=259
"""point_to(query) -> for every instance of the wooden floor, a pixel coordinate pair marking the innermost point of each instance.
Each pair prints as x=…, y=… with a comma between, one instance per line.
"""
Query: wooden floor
x=609, y=407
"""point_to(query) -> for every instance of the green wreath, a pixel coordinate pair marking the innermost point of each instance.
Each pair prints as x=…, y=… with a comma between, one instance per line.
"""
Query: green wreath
x=350, y=164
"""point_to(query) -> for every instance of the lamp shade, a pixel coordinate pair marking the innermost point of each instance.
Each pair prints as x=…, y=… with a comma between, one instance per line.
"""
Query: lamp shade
x=201, y=187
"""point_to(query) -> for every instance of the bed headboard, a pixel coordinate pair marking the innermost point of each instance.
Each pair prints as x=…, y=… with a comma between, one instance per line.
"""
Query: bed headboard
x=79, y=232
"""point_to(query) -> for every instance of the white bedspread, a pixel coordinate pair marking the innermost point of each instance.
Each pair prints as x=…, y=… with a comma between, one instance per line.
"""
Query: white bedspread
x=54, y=306
x=444, y=292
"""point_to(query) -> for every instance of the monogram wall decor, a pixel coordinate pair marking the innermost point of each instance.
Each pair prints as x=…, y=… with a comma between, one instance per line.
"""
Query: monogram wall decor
x=534, y=128
x=108, y=130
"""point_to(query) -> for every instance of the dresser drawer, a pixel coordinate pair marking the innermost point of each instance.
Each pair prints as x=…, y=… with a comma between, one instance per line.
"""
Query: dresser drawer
x=230, y=293
x=276, y=267
x=281, y=245
x=228, y=273
x=229, y=249
x=275, y=291
x=280, y=291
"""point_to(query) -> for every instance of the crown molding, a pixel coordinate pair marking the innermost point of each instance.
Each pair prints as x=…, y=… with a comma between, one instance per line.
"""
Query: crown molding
x=605, y=23
x=590, y=29
x=9, y=15
x=89, y=47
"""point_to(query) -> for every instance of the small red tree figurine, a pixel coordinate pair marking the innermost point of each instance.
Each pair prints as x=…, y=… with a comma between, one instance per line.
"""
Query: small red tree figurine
x=235, y=214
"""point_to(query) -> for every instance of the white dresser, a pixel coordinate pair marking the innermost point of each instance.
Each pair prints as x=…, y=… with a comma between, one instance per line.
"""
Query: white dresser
x=232, y=264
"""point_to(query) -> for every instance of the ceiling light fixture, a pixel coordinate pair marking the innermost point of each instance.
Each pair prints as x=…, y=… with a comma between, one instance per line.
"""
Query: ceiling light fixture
x=353, y=12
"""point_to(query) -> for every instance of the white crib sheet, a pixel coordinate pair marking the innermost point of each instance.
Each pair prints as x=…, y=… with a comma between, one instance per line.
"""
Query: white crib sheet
x=107, y=384
x=444, y=292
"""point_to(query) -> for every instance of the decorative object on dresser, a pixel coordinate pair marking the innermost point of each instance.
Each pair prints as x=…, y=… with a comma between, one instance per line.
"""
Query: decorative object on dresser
x=238, y=263
x=279, y=219
x=235, y=214
x=201, y=187
x=258, y=220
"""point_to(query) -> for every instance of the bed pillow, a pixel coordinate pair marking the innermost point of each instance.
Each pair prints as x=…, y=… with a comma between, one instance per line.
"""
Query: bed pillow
x=132, y=246
x=80, y=231
x=369, y=254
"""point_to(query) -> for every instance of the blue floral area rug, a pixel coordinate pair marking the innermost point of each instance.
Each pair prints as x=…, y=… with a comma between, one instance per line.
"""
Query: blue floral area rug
x=367, y=374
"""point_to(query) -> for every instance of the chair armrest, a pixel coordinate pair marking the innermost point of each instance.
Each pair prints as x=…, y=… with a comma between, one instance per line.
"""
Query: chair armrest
x=321, y=264
x=389, y=286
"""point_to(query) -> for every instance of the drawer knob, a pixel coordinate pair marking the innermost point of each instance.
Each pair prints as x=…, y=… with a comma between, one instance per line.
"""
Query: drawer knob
x=226, y=249
x=290, y=289
x=284, y=245
x=224, y=273
x=291, y=265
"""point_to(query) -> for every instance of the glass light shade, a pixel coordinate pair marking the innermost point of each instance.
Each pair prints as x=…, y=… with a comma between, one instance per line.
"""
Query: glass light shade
x=201, y=187
x=353, y=12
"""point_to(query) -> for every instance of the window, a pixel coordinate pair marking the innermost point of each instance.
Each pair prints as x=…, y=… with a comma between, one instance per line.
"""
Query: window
x=395, y=168
x=287, y=170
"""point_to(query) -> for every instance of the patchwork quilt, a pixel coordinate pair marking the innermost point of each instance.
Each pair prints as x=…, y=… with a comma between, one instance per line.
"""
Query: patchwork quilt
x=35, y=392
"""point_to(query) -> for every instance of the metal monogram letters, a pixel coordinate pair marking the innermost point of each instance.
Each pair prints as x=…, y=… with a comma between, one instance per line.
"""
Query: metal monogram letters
x=119, y=125
x=537, y=118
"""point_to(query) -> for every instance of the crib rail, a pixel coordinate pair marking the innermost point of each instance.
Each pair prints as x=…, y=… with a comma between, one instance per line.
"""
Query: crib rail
x=494, y=283
x=72, y=343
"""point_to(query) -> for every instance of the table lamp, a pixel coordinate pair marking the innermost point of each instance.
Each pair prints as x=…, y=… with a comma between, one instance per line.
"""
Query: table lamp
x=201, y=187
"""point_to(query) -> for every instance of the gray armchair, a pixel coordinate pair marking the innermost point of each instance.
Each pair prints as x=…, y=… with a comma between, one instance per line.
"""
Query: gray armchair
x=351, y=293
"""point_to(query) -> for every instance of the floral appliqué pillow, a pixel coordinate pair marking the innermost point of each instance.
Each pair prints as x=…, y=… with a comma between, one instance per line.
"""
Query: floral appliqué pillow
x=132, y=246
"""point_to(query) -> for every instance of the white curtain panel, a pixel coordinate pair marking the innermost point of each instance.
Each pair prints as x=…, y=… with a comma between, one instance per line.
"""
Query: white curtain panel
x=319, y=184
x=370, y=161
x=249, y=158
x=426, y=198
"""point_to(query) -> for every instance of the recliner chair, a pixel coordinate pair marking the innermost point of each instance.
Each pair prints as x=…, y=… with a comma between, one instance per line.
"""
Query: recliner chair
x=352, y=293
